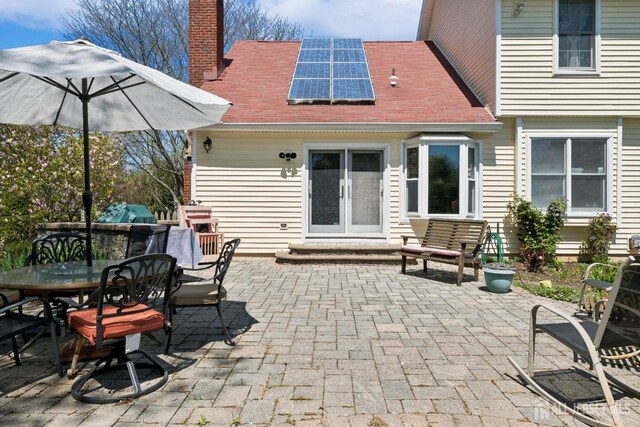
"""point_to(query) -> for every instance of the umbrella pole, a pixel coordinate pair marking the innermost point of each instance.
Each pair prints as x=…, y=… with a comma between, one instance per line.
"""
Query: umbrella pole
x=87, y=196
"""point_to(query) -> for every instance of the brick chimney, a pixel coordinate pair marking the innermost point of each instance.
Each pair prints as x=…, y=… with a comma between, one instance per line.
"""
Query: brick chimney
x=206, y=40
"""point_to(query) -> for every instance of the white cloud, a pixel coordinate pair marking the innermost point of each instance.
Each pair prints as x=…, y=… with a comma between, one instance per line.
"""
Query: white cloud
x=366, y=19
x=36, y=14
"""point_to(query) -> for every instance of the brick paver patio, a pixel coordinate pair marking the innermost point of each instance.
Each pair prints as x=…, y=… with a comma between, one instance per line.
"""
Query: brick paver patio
x=349, y=345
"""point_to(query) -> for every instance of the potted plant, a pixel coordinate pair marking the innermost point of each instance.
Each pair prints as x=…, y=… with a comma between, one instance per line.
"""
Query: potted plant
x=498, y=277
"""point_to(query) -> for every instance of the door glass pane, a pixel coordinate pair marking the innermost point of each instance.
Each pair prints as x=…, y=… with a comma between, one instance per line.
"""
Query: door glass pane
x=545, y=188
x=588, y=156
x=326, y=174
x=588, y=192
x=366, y=179
x=547, y=156
x=444, y=179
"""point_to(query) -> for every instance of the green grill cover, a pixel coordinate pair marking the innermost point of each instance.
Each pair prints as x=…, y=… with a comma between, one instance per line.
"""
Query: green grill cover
x=124, y=213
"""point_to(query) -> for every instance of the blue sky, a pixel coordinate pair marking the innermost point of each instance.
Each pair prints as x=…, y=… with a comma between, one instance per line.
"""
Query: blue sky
x=27, y=22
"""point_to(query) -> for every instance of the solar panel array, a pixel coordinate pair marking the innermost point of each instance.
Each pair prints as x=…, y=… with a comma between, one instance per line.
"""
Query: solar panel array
x=331, y=71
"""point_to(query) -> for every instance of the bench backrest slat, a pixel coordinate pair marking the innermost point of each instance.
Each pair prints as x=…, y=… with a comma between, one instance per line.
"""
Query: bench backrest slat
x=449, y=233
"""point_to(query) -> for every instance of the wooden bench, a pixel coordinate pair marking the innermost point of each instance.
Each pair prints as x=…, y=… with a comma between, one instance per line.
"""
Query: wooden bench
x=450, y=241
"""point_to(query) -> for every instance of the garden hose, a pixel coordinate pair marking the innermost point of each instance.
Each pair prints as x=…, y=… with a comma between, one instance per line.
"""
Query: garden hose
x=492, y=248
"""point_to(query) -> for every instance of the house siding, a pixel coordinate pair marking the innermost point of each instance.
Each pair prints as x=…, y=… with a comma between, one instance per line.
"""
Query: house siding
x=528, y=84
x=252, y=191
x=465, y=32
x=630, y=187
x=498, y=179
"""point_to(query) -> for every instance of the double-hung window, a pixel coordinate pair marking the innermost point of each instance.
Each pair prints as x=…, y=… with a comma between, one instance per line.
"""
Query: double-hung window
x=440, y=177
x=577, y=35
x=574, y=169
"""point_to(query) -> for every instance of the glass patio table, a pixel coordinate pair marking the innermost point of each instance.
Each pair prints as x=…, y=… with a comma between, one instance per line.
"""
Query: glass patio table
x=56, y=277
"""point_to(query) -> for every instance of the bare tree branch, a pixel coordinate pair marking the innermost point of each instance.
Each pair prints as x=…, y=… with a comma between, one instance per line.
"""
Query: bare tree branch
x=155, y=33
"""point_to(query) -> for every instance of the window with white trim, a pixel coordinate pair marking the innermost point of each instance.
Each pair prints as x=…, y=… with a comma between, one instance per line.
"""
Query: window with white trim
x=440, y=179
x=575, y=169
x=577, y=27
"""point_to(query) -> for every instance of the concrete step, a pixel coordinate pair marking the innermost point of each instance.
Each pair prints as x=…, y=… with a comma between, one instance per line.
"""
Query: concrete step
x=336, y=258
x=343, y=248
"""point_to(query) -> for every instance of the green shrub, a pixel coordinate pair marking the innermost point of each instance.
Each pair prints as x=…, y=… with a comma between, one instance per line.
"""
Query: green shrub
x=600, y=231
x=539, y=233
x=14, y=255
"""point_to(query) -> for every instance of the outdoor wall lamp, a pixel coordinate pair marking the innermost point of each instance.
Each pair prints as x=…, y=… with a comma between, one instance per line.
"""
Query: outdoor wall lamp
x=288, y=156
x=518, y=6
x=207, y=144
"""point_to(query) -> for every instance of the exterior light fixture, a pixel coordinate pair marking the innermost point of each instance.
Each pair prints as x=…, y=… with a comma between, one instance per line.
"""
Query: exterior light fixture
x=518, y=6
x=288, y=156
x=207, y=144
x=393, y=79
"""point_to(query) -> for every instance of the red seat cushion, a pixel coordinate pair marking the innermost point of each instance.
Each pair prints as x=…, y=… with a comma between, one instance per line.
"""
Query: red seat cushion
x=84, y=322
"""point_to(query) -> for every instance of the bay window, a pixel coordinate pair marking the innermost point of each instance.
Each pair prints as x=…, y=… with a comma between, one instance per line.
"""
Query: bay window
x=575, y=169
x=440, y=177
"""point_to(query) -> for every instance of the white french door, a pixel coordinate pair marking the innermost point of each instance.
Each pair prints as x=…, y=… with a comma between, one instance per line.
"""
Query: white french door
x=346, y=192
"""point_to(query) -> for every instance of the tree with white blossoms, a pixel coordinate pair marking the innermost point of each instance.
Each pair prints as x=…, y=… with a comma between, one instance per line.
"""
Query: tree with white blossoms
x=42, y=176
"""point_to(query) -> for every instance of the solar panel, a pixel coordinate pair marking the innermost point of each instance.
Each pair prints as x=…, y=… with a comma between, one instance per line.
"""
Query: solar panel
x=347, y=44
x=313, y=43
x=348, y=55
x=352, y=89
x=355, y=70
x=314, y=55
x=313, y=70
x=334, y=70
x=310, y=89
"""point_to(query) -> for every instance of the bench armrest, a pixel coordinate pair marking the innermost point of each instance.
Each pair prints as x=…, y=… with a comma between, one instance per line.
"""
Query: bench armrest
x=406, y=237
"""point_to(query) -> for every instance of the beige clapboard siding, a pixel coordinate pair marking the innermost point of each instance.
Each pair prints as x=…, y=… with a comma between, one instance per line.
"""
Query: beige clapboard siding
x=464, y=30
x=253, y=191
x=528, y=85
x=243, y=180
x=630, y=187
x=498, y=154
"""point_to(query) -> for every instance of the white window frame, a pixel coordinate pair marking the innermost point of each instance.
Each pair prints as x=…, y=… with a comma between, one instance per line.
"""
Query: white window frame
x=560, y=71
x=423, y=142
x=568, y=137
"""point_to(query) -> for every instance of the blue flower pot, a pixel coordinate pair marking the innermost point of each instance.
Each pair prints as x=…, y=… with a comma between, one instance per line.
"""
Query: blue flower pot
x=498, y=280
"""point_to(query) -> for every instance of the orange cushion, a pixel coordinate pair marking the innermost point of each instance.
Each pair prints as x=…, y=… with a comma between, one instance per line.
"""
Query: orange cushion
x=84, y=322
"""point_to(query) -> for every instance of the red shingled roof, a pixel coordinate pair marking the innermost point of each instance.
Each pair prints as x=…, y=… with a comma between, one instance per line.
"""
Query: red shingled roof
x=258, y=78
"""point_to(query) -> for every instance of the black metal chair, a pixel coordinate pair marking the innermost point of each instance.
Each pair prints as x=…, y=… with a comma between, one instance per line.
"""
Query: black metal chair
x=618, y=329
x=207, y=292
x=130, y=301
x=58, y=247
x=147, y=239
x=13, y=324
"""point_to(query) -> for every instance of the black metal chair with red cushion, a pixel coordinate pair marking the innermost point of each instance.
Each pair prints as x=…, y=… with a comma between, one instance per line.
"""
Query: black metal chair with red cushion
x=130, y=301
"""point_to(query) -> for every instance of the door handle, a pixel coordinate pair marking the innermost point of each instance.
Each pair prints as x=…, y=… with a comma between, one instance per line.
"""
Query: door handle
x=342, y=191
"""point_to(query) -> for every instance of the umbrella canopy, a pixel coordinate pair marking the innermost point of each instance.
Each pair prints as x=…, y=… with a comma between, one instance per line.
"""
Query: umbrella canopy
x=84, y=86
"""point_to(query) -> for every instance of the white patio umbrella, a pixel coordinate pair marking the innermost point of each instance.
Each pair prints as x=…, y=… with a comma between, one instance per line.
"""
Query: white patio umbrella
x=84, y=86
